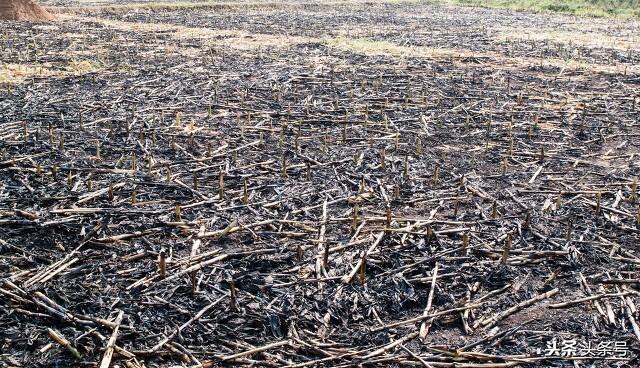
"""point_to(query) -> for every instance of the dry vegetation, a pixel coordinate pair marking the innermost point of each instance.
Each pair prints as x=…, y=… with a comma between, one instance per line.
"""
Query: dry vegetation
x=293, y=184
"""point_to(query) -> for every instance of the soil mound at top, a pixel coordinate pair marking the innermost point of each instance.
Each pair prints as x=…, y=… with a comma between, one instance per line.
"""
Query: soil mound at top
x=23, y=10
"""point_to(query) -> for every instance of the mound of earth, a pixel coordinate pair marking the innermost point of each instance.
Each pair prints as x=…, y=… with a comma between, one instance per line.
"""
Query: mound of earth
x=23, y=10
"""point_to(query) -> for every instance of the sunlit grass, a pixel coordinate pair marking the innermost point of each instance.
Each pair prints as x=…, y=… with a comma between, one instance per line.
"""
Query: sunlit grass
x=596, y=8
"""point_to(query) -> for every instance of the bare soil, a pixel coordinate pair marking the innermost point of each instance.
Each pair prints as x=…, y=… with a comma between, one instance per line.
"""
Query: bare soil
x=23, y=10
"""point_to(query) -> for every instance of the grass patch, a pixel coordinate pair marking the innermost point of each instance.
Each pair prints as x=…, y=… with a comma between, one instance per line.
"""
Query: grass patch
x=364, y=45
x=83, y=67
x=15, y=73
x=596, y=8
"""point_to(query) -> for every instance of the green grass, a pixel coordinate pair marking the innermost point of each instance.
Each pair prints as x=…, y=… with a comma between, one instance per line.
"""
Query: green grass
x=597, y=8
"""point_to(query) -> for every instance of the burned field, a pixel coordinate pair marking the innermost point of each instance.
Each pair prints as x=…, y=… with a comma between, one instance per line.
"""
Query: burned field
x=291, y=185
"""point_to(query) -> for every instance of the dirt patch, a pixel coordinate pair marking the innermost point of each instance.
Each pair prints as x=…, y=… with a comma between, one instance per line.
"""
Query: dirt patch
x=23, y=10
